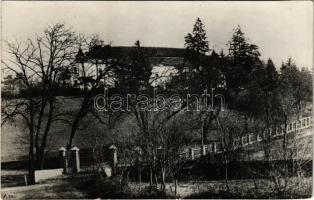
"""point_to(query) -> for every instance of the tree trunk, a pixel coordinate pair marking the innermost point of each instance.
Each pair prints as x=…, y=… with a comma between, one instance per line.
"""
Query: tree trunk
x=40, y=161
x=41, y=158
x=31, y=167
x=175, y=186
x=226, y=173
x=38, y=158
x=151, y=178
x=140, y=179
x=127, y=177
x=84, y=78
x=31, y=172
x=96, y=69
x=155, y=179
x=73, y=131
x=75, y=125
x=163, y=180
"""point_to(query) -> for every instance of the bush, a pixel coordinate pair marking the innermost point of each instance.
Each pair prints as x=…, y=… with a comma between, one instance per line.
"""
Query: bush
x=213, y=195
x=153, y=194
x=101, y=187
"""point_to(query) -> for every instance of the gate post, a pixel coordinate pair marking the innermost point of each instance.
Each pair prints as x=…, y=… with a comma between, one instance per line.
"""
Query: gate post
x=114, y=158
x=203, y=150
x=250, y=138
x=63, y=160
x=215, y=147
x=191, y=153
x=75, y=157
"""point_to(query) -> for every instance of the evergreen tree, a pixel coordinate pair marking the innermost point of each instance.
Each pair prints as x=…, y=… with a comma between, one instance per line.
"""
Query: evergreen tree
x=243, y=58
x=195, y=56
x=201, y=69
x=196, y=41
x=134, y=73
x=294, y=87
x=271, y=75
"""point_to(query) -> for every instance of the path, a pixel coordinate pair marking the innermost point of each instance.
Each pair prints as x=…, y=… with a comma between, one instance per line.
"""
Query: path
x=58, y=188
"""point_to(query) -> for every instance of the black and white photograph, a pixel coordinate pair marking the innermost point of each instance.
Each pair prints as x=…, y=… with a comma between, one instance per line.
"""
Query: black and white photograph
x=156, y=99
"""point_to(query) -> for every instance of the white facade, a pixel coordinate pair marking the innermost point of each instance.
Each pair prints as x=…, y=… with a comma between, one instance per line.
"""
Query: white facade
x=161, y=75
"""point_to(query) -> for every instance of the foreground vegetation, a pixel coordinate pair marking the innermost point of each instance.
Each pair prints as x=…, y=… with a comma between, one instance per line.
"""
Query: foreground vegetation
x=99, y=187
x=93, y=186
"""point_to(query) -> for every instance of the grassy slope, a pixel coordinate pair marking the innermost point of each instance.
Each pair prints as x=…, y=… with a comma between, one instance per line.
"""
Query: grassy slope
x=14, y=145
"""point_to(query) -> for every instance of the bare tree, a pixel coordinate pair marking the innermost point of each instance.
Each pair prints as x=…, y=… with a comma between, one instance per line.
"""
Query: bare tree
x=38, y=63
x=94, y=67
x=173, y=136
x=228, y=128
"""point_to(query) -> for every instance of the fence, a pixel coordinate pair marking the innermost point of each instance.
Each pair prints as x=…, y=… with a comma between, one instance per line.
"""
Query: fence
x=77, y=160
x=251, y=138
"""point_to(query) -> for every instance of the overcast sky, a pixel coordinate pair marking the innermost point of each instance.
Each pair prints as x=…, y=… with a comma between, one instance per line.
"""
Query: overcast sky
x=280, y=29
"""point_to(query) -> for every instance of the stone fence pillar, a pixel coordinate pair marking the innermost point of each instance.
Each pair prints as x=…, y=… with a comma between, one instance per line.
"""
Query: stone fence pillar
x=114, y=158
x=244, y=140
x=203, y=150
x=63, y=159
x=250, y=138
x=75, y=157
x=192, y=153
x=214, y=147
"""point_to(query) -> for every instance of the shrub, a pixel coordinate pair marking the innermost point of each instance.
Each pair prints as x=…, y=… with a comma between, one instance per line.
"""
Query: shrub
x=153, y=194
x=101, y=187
